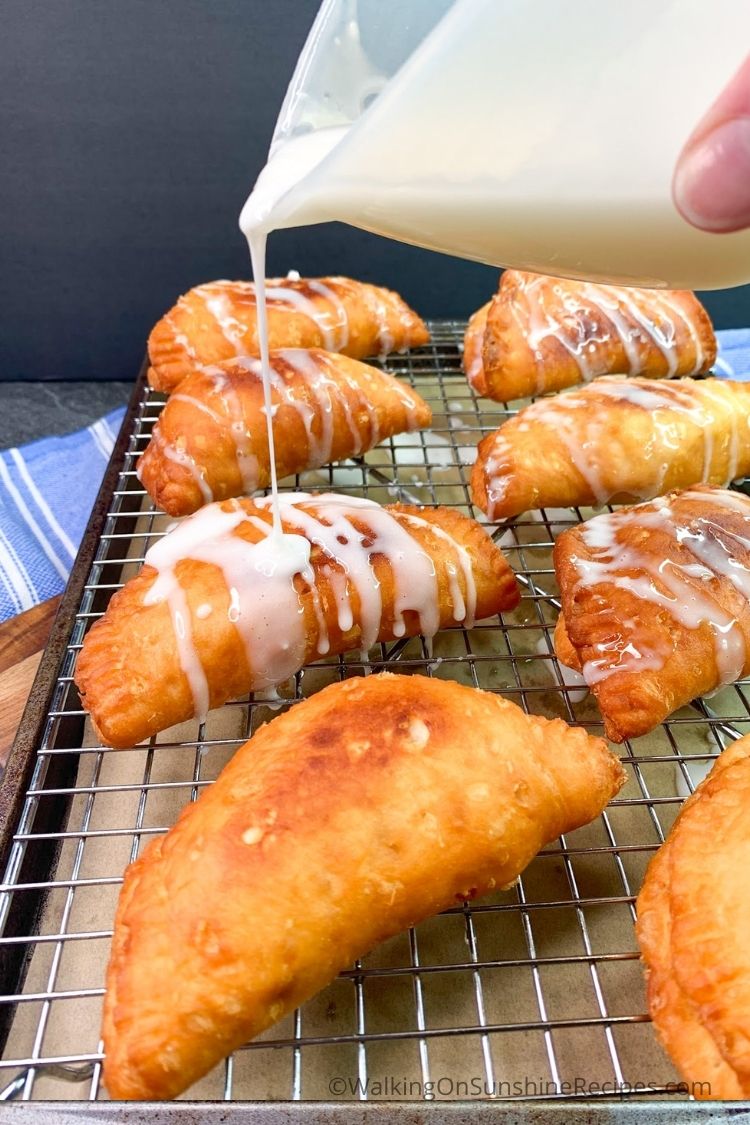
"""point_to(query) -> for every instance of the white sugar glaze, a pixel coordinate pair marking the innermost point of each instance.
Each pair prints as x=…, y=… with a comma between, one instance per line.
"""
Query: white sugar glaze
x=173, y=453
x=338, y=332
x=285, y=294
x=707, y=404
x=324, y=389
x=247, y=462
x=475, y=368
x=291, y=294
x=667, y=582
x=218, y=304
x=463, y=611
x=318, y=384
x=474, y=339
x=264, y=603
x=256, y=220
x=386, y=339
x=632, y=327
x=317, y=376
x=214, y=415
x=540, y=324
x=332, y=330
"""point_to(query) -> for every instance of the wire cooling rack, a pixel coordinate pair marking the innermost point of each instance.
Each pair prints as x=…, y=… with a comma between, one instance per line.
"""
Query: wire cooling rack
x=531, y=994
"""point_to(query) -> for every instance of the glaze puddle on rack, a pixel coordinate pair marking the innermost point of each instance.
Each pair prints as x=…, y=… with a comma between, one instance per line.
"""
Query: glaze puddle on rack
x=522, y=992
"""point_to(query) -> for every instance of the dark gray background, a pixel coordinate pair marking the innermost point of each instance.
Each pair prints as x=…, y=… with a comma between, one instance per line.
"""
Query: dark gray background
x=131, y=133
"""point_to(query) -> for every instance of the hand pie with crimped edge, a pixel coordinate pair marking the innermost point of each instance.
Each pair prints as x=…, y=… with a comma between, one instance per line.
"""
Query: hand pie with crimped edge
x=357, y=814
x=544, y=334
x=471, y=360
x=219, y=610
x=218, y=321
x=656, y=604
x=211, y=439
x=693, y=921
x=616, y=440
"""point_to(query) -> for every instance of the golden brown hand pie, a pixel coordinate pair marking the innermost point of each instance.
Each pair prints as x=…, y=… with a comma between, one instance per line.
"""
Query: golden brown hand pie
x=220, y=610
x=211, y=439
x=544, y=334
x=656, y=604
x=693, y=922
x=619, y=440
x=217, y=321
x=564, y=650
x=473, y=347
x=353, y=816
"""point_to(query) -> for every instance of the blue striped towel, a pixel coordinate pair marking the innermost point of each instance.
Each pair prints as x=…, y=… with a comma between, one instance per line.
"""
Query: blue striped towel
x=47, y=489
x=733, y=360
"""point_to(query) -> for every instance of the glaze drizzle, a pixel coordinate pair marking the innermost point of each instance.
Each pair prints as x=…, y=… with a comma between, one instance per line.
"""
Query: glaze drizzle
x=558, y=311
x=308, y=382
x=321, y=300
x=683, y=588
x=265, y=605
x=581, y=420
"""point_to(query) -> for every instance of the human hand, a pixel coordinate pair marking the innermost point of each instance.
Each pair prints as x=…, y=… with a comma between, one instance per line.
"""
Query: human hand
x=711, y=186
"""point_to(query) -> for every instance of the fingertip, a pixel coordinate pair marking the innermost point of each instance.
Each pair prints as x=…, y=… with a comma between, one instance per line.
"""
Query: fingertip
x=711, y=187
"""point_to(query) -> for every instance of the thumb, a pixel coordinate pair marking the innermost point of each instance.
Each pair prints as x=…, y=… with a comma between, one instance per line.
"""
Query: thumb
x=711, y=186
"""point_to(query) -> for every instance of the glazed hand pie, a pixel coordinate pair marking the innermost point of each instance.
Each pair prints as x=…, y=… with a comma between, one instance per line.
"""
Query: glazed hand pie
x=356, y=814
x=211, y=439
x=618, y=439
x=693, y=922
x=217, y=321
x=473, y=346
x=544, y=334
x=655, y=604
x=223, y=607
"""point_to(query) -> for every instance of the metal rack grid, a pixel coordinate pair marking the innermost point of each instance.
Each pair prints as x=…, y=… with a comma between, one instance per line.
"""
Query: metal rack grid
x=535, y=992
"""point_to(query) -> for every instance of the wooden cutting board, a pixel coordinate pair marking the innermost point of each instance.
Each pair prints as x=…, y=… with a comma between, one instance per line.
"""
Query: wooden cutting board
x=22, y=641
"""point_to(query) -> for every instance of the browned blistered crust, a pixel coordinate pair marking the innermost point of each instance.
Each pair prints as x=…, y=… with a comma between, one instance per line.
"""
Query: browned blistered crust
x=365, y=809
x=693, y=922
x=634, y=452
x=605, y=618
x=128, y=671
x=189, y=335
x=201, y=423
x=471, y=360
x=515, y=366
